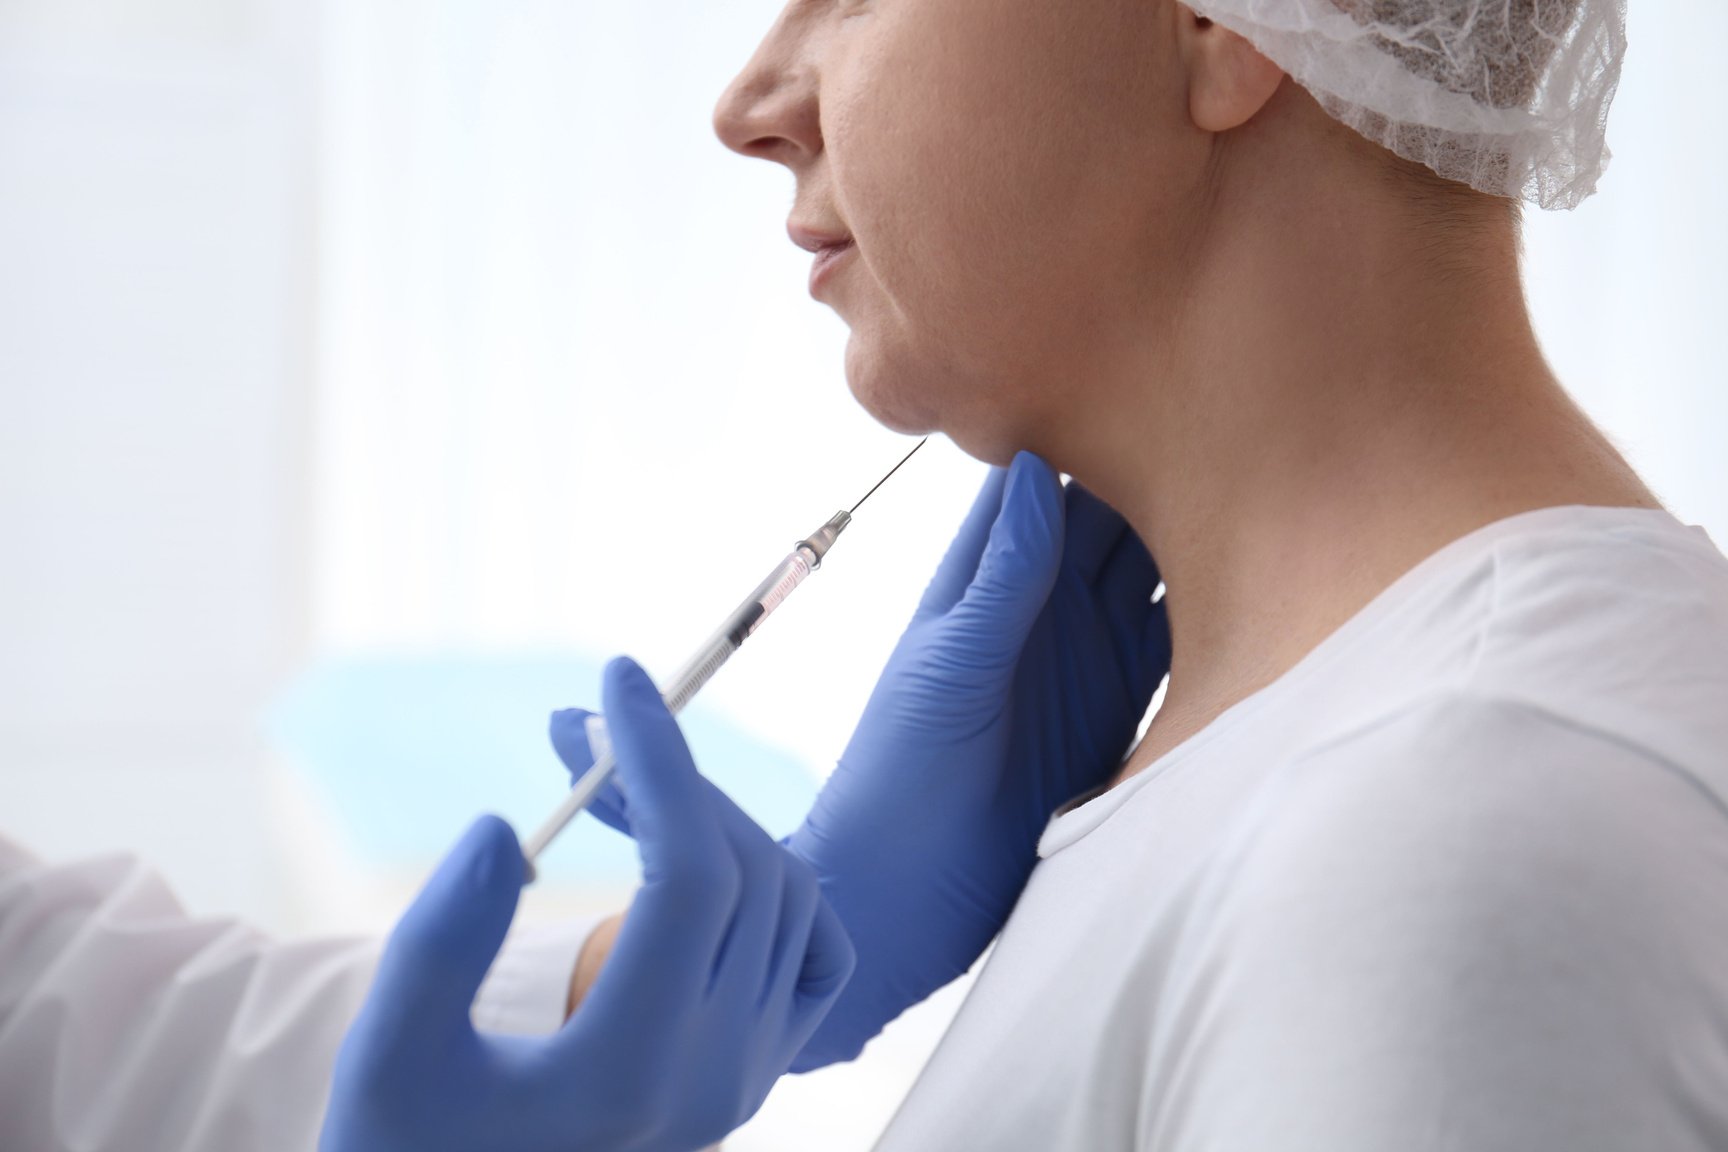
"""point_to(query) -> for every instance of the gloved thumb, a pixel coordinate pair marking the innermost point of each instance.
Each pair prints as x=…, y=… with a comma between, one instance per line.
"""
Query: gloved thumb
x=444, y=944
x=667, y=798
x=1023, y=555
x=690, y=876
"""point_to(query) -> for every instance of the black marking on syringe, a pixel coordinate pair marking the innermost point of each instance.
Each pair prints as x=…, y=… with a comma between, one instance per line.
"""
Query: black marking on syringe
x=746, y=622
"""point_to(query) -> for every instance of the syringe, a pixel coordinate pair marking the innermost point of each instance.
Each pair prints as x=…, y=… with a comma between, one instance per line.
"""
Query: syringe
x=805, y=557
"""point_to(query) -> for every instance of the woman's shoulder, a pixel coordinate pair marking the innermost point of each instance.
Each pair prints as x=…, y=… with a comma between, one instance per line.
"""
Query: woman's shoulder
x=1471, y=904
x=1614, y=621
x=1488, y=811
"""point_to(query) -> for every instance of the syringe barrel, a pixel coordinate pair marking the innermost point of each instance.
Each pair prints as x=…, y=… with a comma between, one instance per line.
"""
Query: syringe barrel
x=772, y=592
x=805, y=558
x=743, y=621
x=581, y=794
x=698, y=671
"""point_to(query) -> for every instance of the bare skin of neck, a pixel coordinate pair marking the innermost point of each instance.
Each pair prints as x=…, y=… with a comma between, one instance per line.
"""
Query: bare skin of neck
x=1348, y=383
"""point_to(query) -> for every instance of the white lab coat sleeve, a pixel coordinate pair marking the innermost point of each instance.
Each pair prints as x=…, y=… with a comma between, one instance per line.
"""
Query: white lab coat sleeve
x=127, y=1024
x=528, y=988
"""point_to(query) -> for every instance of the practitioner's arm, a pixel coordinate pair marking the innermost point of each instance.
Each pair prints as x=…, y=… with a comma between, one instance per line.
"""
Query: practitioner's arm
x=128, y=1024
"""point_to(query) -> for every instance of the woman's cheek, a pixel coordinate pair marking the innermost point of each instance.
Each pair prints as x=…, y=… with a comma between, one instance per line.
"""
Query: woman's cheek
x=918, y=184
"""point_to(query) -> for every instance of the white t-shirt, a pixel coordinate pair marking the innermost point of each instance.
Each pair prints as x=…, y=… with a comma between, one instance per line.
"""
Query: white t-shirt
x=1459, y=880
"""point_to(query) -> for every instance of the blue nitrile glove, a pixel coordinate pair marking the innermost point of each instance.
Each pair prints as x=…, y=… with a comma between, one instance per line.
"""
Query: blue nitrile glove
x=726, y=962
x=1018, y=685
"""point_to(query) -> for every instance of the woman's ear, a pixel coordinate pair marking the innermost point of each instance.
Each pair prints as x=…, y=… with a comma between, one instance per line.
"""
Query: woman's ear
x=1229, y=81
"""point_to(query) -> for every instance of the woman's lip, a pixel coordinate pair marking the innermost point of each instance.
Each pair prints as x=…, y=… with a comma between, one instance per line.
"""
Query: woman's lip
x=827, y=260
x=812, y=240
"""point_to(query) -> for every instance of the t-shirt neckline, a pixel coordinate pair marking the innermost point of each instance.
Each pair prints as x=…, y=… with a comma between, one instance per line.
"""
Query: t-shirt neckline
x=1073, y=824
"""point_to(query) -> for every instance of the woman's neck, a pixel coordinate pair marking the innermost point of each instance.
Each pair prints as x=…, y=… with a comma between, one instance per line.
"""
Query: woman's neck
x=1344, y=391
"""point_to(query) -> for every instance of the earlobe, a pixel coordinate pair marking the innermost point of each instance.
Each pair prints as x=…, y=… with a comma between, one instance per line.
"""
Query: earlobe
x=1229, y=81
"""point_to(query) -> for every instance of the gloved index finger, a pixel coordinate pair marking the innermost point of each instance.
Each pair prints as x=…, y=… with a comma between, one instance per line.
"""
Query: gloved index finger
x=805, y=962
x=689, y=872
x=829, y=960
x=1094, y=531
x=960, y=563
x=745, y=956
x=1023, y=556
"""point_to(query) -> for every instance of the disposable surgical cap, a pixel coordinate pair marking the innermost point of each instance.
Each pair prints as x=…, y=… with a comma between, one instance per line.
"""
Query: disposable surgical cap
x=1508, y=96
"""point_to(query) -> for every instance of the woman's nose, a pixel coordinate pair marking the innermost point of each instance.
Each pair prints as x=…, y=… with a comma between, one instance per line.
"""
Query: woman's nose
x=770, y=110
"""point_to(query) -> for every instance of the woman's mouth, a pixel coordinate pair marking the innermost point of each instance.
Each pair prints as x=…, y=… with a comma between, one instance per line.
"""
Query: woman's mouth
x=829, y=245
x=829, y=260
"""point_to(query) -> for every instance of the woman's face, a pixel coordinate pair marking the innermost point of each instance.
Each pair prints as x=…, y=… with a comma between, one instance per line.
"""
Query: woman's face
x=1018, y=177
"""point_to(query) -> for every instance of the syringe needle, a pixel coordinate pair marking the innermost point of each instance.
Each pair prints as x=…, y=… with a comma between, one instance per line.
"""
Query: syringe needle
x=805, y=558
x=891, y=472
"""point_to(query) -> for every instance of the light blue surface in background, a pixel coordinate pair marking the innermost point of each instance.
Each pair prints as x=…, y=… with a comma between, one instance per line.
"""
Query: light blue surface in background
x=406, y=749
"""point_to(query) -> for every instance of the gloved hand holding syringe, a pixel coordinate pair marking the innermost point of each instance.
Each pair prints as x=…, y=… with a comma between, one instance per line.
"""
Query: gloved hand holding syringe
x=804, y=559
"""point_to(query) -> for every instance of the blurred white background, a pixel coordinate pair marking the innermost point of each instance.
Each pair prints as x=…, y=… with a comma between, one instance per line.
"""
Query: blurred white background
x=355, y=356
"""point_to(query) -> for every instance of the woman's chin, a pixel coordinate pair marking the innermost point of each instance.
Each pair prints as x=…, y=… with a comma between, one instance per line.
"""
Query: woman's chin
x=914, y=397
x=894, y=399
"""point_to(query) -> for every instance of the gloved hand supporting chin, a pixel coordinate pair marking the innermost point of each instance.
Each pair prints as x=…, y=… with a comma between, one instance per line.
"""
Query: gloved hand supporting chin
x=1018, y=685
